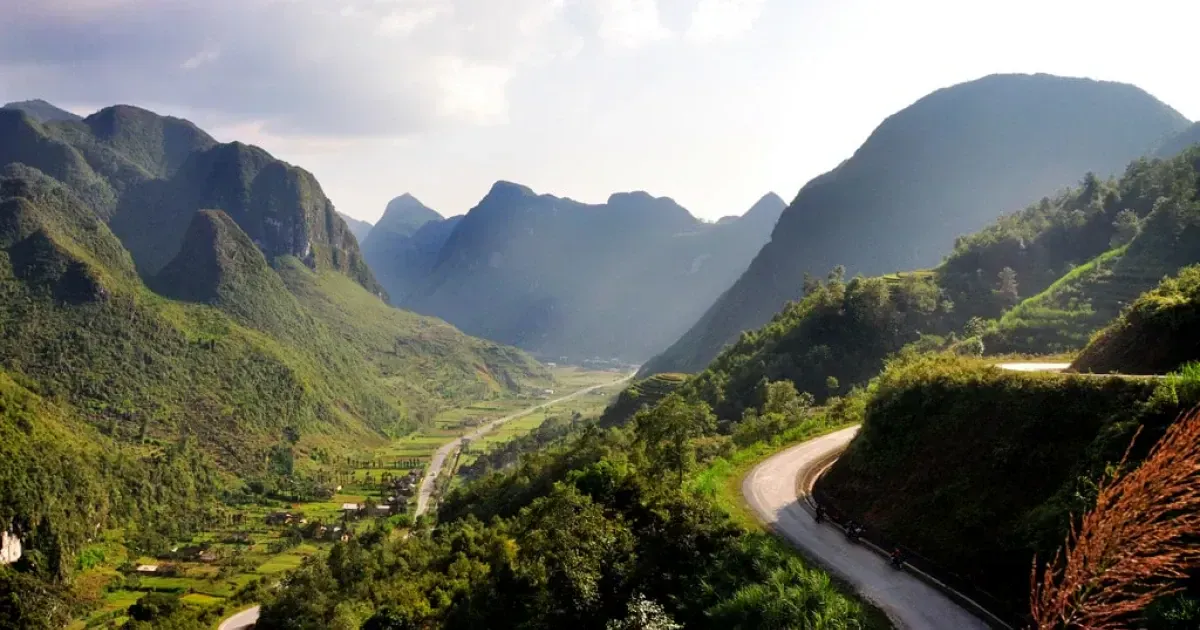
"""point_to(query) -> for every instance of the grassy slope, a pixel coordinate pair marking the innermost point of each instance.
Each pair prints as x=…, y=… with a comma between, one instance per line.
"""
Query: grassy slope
x=976, y=469
x=151, y=373
x=1156, y=335
x=1064, y=316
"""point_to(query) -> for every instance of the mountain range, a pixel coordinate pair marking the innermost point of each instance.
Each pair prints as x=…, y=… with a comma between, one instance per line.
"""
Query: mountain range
x=273, y=317
x=943, y=167
x=562, y=278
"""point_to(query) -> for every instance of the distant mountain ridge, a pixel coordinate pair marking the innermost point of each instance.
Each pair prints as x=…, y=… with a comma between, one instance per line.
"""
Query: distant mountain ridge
x=562, y=278
x=942, y=167
x=360, y=229
x=42, y=111
x=403, y=246
x=146, y=175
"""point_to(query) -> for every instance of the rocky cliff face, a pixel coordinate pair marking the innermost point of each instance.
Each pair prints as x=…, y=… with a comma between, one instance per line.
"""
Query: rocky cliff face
x=146, y=175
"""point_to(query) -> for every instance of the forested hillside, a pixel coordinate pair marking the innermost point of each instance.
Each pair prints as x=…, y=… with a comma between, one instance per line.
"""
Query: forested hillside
x=974, y=469
x=605, y=530
x=945, y=166
x=562, y=278
x=1156, y=335
x=145, y=175
x=133, y=400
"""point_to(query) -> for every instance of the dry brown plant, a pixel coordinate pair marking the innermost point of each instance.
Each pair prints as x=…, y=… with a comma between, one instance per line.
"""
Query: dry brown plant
x=1133, y=546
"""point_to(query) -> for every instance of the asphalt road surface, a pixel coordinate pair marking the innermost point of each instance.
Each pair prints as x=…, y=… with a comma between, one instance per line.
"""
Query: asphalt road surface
x=770, y=489
x=438, y=461
x=245, y=619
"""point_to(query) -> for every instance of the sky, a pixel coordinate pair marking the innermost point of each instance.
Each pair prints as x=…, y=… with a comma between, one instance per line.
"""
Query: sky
x=711, y=102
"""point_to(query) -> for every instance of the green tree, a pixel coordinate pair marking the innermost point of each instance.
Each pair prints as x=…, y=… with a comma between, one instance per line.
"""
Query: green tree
x=667, y=430
x=1006, y=287
x=644, y=614
x=837, y=275
x=155, y=606
x=1125, y=228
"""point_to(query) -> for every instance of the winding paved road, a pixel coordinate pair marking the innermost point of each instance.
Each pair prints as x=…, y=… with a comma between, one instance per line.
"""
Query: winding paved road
x=909, y=603
x=438, y=461
x=245, y=619
x=771, y=490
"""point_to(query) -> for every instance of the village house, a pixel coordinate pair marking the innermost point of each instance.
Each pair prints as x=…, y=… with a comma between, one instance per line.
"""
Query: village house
x=280, y=518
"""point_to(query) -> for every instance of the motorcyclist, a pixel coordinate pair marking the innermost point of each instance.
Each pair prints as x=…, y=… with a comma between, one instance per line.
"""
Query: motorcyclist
x=897, y=557
x=820, y=513
x=852, y=529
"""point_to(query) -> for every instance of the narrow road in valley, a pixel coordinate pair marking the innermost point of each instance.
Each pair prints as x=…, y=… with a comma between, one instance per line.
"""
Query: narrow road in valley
x=438, y=461
x=776, y=491
x=245, y=619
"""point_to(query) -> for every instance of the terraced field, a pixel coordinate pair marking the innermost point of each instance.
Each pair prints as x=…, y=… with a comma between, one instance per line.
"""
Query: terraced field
x=1065, y=316
x=646, y=392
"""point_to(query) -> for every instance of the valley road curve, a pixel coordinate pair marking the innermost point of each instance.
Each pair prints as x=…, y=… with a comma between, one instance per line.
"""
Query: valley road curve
x=245, y=619
x=771, y=491
x=438, y=461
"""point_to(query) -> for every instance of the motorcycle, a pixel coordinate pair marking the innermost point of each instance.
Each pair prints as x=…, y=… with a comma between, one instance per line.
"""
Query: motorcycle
x=820, y=516
x=854, y=531
x=897, y=560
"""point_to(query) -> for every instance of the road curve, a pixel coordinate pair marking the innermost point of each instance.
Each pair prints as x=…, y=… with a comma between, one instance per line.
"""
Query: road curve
x=909, y=603
x=1033, y=366
x=245, y=619
x=438, y=461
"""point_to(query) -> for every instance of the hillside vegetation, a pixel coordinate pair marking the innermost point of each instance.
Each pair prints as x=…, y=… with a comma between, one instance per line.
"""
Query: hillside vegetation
x=1155, y=336
x=146, y=175
x=601, y=530
x=566, y=279
x=129, y=413
x=1080, y=259
x=645, y=393
x=975, y=469
x=945, y=166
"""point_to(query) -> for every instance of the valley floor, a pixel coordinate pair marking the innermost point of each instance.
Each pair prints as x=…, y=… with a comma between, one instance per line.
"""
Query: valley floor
x=248, y=549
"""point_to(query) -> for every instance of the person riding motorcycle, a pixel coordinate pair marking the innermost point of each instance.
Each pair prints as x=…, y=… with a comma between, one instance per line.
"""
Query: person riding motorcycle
x=853, y=530
x=820, y=513
x=897, y=558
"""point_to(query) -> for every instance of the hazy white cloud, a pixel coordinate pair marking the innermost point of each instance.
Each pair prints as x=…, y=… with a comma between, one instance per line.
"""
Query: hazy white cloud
x=207, y=54
x=473, y=91
x=715, y=20
x=380, y=67
x=629, y=23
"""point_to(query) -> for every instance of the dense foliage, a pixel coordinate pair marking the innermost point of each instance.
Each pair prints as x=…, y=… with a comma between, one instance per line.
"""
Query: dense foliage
x=1158, y=334
x=263, y=366
x=593, y=533
x=837, y=336
x=975, y=469
x=1080, y=258
x=644, y=393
